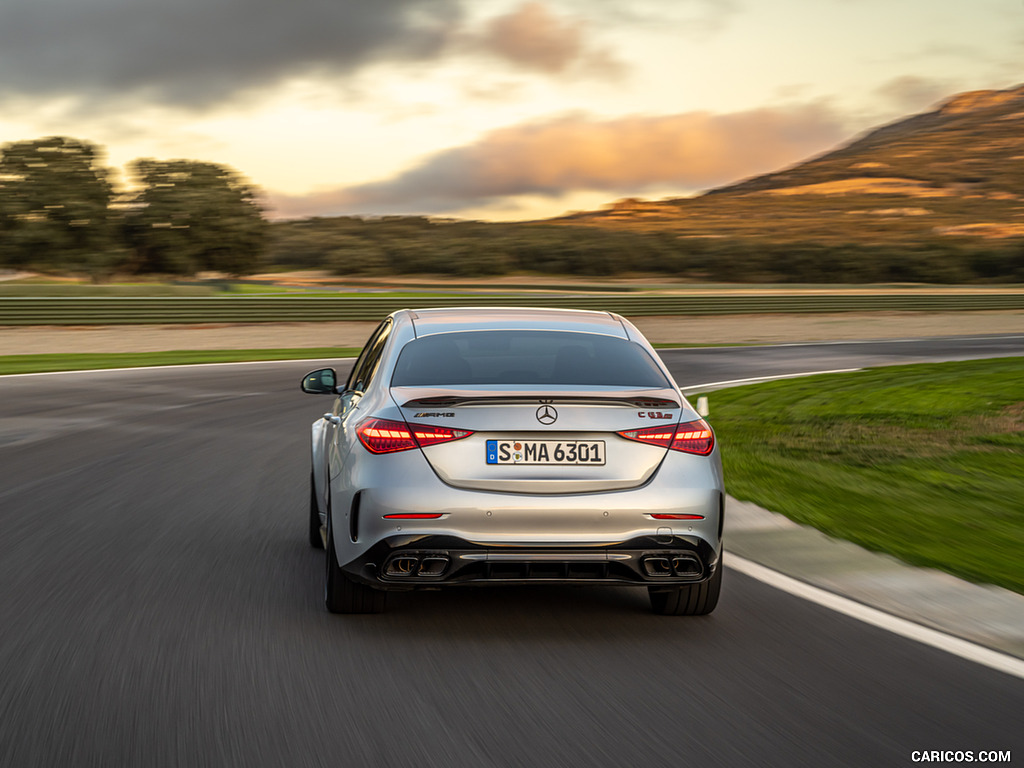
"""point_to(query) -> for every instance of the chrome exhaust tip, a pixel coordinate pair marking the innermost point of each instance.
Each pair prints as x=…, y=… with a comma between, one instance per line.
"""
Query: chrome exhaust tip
x=433, y=565
x=686, y=565
x=402, y=565
x=657, y=566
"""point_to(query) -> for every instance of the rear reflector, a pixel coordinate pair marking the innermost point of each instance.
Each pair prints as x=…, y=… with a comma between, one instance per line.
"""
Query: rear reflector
x=689, y=437
x=386, y=436
x=660, y=516
x=414, y=516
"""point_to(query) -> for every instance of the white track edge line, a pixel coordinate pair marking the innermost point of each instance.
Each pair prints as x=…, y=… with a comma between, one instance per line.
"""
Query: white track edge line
x=694, y=387
x=979, y=337
x=965, y=649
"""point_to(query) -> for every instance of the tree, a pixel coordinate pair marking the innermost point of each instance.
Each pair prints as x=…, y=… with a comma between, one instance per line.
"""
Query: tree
x=55, y=206
x=193, y=216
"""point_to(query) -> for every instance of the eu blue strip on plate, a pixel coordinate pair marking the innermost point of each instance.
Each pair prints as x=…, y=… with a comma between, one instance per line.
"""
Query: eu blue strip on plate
x=492, y=451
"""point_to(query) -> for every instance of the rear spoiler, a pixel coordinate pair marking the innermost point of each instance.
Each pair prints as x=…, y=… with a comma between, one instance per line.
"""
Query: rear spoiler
x=416, y=397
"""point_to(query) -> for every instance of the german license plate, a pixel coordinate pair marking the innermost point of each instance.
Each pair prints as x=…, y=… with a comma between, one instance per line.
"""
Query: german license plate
x=545, y=452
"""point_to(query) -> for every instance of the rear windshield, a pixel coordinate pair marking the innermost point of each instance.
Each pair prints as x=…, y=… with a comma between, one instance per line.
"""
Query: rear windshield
x=526, y=357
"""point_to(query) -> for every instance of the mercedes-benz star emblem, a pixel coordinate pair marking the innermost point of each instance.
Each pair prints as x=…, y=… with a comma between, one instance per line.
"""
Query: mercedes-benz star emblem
x=546, y=414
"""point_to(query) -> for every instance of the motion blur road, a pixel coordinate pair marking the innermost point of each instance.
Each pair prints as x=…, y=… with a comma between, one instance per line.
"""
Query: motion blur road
x=160, y=607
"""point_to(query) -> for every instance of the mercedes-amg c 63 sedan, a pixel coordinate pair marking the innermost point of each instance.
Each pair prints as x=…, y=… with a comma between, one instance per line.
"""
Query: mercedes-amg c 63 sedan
x=513, y=446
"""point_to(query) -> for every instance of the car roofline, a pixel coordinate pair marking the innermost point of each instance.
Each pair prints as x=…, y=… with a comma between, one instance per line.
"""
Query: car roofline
x=435, y=320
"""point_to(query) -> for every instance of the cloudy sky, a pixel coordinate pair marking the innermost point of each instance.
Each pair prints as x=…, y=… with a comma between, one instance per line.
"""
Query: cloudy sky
x=493, y=109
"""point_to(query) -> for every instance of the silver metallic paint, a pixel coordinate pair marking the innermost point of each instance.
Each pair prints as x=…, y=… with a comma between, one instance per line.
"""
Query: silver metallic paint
x=565, y=513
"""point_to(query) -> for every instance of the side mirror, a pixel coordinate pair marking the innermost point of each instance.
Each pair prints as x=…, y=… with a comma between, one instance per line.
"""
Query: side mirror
x=321, y=382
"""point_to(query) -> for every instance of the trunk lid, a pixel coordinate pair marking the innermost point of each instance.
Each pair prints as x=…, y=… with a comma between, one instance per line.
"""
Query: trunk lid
x=539, y=441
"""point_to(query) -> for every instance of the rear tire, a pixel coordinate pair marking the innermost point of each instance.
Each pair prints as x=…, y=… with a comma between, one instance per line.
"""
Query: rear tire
x=342, y=594
x=690, y=600
x=316, y=541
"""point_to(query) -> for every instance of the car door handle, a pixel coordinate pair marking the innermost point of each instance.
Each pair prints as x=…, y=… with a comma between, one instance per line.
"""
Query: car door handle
x=332, y=419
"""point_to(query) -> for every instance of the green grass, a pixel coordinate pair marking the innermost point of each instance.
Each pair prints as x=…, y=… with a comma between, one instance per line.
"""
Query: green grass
x=924, y=462
x=37, y=289
x=400, y=287
x=93, y=361
x=248, y=289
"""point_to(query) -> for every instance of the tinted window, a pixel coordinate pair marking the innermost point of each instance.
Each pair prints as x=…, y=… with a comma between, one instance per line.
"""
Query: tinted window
x=369, y=359
x=525, y=357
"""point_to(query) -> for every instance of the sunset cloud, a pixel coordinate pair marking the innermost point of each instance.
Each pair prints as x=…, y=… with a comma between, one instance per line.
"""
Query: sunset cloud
x=534, y=37
x=198, y=53
x=690, y=151
x=686, y=17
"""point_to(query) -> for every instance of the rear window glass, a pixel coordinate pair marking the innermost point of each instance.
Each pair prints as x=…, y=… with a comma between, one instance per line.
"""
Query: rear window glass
x=526, y=357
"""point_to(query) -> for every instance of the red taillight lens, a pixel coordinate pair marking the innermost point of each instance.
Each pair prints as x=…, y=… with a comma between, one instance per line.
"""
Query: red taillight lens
x=426, y=435
x=694, y=437
x=661, y=436
x=386, y=436
x=689, y=437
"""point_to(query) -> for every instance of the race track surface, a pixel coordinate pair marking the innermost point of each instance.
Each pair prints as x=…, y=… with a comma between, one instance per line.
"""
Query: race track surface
x=161, y=607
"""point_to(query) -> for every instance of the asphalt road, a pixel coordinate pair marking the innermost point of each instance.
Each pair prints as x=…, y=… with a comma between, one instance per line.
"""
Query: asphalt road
x=699, y=366
x=159, y=606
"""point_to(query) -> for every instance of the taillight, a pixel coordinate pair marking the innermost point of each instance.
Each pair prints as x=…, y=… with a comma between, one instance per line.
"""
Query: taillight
x=661, y=436
x=689, y=437
x=383, y=436
x=694, y=437
x=386, y=436
x=427, y=435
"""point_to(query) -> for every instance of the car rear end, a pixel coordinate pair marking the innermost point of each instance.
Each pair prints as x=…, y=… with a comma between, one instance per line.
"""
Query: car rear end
x=523, y=455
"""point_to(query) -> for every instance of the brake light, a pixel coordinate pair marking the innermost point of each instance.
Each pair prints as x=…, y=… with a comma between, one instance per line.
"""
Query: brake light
x=386, y=436
x=694, y=437
x=689, y=437
x=426, y=435
x=661, y=436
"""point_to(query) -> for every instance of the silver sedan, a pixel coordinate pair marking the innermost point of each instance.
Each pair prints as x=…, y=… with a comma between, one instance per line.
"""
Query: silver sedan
x=513, y=446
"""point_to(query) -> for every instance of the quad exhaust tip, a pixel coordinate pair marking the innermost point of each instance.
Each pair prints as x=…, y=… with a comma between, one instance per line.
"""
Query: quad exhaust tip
x=671, y=565
x=657, y=566
x=405, y=566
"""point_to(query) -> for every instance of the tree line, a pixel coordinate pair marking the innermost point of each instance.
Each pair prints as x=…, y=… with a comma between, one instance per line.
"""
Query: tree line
x=412, y=244
x=60, y=211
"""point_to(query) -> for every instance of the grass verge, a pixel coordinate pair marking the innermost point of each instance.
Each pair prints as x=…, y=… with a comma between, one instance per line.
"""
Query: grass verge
x=924, y=462
x=93, y=361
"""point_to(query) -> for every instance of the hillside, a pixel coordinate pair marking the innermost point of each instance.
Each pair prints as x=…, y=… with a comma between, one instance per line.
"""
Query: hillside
x=955, y=172
x=933, y=198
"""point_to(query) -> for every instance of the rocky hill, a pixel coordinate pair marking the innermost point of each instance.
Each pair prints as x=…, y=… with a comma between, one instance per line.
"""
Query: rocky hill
x=957, y=171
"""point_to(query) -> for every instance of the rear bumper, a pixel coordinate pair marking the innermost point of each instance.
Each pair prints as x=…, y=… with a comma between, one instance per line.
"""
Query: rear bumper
x=418, y=561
